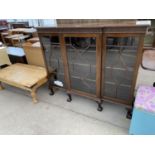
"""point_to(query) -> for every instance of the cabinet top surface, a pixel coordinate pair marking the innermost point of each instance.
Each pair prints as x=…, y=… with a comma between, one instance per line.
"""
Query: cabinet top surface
x=93, y=25
x=94, y=28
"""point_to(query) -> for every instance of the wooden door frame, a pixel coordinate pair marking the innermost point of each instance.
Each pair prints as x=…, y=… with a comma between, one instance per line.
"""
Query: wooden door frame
x=98, y=37
x=135, y=72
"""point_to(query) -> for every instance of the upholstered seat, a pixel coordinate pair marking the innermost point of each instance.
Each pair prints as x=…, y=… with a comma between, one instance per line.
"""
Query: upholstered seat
x=145, y=98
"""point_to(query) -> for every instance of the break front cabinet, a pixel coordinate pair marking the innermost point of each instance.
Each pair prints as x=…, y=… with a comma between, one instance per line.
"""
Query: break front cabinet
x=100, y=63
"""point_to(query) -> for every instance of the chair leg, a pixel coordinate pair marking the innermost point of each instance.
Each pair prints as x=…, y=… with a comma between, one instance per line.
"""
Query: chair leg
x=1, y=87
x=34, y=89
x=34, y=96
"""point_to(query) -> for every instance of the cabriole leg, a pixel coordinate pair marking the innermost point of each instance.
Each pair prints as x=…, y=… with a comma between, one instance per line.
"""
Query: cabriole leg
x=100, y=108
x=50, y=88
x=51, y=91
x=69, y=98
x=34, y=96
x=129, y=113
x=130, y=110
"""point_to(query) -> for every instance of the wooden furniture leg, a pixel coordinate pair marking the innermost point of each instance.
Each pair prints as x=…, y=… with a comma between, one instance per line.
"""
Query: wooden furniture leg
x=34, y=89
x=1, y=87
x=129, y=113
x=130, y=110
x=52, y=91
x=50, y=87
x=100, y=108
x=34, y=96
x=69, y=97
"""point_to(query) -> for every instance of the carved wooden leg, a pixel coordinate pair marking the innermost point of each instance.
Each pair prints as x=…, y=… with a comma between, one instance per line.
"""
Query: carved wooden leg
x=51, y=88
x=129, y=113
x=1, y=87
x=130, y=110
x=52, y=91
x=55, y=77
x=34, y=96
x=69, y=98
x=100, y=108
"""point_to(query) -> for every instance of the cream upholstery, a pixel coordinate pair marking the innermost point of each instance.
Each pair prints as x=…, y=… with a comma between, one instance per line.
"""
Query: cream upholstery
x=4, y=59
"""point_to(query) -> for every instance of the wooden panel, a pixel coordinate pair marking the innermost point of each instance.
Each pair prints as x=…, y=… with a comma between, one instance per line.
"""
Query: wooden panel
x=125, y=29
x=78, y=30
x=65, y=62
x=34, y=54
x=99, y=40
x=96, y=21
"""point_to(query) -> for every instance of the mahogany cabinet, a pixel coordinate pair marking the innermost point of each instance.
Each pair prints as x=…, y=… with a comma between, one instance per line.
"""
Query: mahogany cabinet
x=97, y=62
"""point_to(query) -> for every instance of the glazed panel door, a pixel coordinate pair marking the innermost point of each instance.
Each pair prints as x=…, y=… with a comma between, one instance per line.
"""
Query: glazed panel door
x=82, y=55
x=119, y=62
x=52, y=51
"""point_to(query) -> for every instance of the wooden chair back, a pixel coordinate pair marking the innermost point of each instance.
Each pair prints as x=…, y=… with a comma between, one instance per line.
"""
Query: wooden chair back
x=4, y=58
x=34, y=54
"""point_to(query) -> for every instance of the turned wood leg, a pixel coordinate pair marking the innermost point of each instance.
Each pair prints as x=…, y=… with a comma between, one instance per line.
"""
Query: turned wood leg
x=69, y=98
x=34, y=96
x=99, y=108
x=1, y=87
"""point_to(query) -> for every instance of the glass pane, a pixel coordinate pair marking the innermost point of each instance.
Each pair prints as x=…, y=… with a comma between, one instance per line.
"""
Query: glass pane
x=119, y=66
x=52, y=51
x=81, y=54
